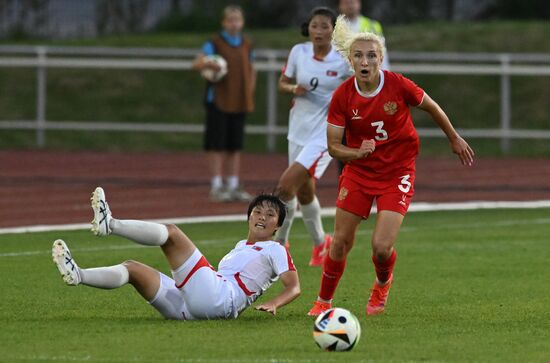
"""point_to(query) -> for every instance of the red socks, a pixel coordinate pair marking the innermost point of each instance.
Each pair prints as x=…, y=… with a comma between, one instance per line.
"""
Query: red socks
x=384, y=268
x=332, y=271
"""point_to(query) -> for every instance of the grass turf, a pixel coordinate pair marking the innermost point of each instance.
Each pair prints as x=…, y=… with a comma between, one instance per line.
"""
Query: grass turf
x=470, y=286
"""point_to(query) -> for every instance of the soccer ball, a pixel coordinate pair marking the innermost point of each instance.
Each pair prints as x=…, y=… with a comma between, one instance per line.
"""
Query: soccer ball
x=336, y=329
x=209, y=74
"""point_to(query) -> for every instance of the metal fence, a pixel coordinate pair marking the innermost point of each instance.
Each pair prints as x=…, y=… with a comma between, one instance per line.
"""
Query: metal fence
x=42, y=58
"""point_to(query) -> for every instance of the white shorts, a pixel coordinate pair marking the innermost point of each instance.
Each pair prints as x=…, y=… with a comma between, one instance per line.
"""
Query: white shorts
x=314, y=158
x=198, y=292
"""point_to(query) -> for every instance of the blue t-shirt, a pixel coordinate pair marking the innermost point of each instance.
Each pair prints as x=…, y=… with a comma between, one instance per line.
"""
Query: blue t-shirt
x=208, y=49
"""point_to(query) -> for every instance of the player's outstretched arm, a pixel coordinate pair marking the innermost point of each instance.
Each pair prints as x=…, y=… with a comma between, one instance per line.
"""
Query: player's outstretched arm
x=342, y=152
x=459, y=146
x=291, y=291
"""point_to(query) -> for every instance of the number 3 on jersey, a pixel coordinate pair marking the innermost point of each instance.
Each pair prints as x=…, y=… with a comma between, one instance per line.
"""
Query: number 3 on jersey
x=405, y=185
x=382, y=134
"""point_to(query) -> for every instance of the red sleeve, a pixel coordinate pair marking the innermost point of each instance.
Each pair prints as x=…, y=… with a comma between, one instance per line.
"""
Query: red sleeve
x=336, y=110
x=412, y=92
x=281, y=259
x=291, y=266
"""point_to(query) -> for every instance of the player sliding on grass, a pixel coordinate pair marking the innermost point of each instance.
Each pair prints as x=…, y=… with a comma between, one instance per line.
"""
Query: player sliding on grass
x=372, y=109
x=197, y=291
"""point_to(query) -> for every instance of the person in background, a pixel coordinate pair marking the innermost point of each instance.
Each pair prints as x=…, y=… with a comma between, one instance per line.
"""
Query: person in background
x=313, y=71
x=227, y=102
x=351, y=9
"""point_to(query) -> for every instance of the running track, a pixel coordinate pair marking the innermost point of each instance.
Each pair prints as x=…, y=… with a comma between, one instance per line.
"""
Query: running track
x=52, y=187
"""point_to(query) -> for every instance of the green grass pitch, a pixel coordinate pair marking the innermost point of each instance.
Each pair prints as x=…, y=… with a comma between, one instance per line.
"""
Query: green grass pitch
x=469, y=286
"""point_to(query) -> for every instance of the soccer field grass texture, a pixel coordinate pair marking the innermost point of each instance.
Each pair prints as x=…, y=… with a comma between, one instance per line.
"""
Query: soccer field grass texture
x=469, y=286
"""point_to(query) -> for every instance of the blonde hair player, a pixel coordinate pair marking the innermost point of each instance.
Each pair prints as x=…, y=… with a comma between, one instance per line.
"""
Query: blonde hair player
x=373, y=110
x=197, y=291
x=313, y=71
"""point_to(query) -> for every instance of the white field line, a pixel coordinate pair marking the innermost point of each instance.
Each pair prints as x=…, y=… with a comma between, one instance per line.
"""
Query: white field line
x=361, y=232
x=325, y=212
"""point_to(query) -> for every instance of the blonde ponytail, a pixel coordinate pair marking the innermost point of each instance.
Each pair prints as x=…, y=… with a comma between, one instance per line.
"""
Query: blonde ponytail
x=343, y=38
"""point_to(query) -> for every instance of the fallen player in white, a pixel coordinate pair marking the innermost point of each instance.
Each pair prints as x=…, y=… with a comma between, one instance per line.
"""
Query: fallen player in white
x=197, y=290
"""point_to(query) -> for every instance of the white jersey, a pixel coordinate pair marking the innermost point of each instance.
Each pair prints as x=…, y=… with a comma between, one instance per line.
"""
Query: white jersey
x=308, y=115
x=255, y=266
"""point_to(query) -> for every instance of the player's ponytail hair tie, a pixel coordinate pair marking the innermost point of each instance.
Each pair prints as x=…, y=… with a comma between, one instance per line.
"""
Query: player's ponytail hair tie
x=343, y=38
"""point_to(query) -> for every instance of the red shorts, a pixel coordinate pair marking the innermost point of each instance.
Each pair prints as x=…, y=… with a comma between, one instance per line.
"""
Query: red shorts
x=354, y=198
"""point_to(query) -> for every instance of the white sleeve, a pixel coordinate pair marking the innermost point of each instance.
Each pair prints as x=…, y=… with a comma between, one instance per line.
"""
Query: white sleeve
x=291, y=63
x=281, y=260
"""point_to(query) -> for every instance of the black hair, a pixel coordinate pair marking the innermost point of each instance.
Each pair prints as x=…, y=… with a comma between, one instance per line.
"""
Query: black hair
x=272, y=201
x=320, y=10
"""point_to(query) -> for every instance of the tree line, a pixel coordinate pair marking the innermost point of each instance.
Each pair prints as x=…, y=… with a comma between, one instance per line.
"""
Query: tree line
x=19, y=18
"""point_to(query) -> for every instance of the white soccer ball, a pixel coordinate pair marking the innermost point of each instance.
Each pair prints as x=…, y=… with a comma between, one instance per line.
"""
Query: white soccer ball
x=209, y=74
x=336, y=329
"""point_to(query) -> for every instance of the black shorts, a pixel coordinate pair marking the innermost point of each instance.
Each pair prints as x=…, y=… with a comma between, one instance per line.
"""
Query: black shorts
x=224, y=131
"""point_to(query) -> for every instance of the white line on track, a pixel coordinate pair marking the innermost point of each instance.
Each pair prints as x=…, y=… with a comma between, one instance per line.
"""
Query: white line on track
x=325, y=212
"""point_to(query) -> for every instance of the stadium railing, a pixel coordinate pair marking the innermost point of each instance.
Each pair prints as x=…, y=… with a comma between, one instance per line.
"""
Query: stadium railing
x=271, y=61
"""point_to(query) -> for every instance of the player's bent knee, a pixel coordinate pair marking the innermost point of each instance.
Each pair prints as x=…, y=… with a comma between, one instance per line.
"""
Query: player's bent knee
x=173, y=233
x=286, y=191
x=305, y=196
x=132, y=267
x=340, y=247
x=172, y=228
x=382, y=249
x=129, y=264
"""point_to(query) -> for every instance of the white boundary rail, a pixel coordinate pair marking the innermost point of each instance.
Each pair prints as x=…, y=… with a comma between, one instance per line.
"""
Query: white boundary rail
x=41, y=58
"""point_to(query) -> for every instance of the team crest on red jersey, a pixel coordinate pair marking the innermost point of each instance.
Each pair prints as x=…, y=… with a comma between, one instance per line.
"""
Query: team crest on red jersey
x=390, y=108
x=343, y=193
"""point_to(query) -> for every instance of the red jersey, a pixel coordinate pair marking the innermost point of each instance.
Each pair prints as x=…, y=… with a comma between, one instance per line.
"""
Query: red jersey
x=384, y=116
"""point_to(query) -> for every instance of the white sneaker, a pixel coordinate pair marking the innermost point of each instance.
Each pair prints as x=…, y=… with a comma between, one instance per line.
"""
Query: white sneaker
x=219, y=195
x=102, y=213
x=65, y=263
x=239, y=195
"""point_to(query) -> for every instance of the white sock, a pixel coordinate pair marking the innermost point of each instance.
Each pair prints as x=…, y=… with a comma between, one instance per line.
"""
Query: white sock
x=311, y=214
x=105, y=277
x=284, y=230
x=232, y=182
x=216, y=182
x=144, y=233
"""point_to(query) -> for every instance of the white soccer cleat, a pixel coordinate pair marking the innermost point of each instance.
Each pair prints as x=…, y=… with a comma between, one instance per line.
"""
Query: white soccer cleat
x=102, y=213
x=65, y=263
